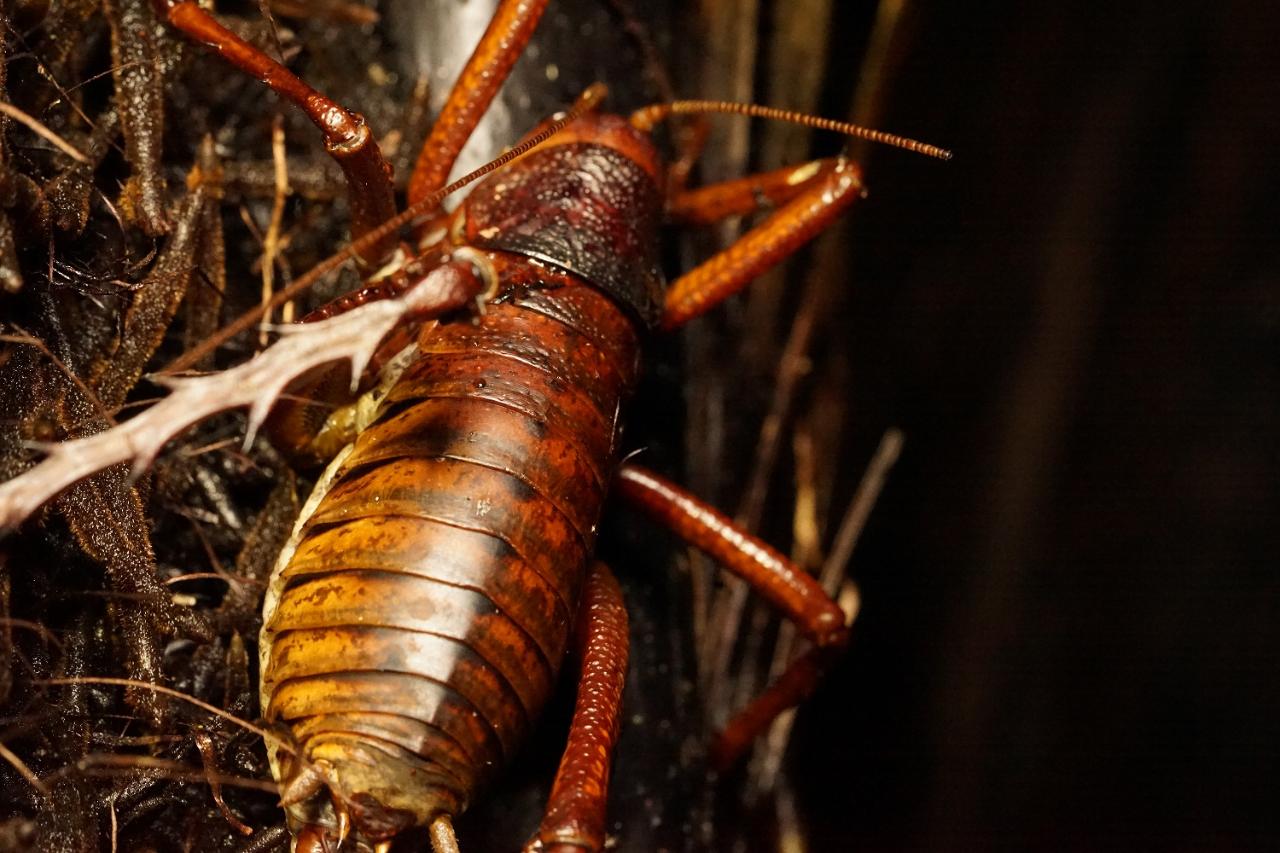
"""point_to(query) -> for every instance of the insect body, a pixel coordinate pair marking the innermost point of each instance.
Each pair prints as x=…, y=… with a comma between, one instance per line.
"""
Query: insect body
x=420, y=614
x=418, y=622
x=423, y=607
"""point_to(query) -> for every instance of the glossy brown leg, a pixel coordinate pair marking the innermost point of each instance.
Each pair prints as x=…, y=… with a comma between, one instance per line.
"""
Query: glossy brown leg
x=789, y=228
x=742, y=196
x=499, y=48
x=371, y=193
x=575, y=818
x=784, y=584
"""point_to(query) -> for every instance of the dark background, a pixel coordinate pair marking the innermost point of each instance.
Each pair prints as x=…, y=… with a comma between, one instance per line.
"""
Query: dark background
x=1069, y=637
x=1068, y=634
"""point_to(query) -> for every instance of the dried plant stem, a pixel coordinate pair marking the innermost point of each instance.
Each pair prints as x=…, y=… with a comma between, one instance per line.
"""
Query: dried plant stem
x=256, y=384
x=271, y=241
x=43, y=132
x=94, y=763
x=23, y=770
x=768, y=759
x=167, y=691
x=855, y=517
x=207, y=754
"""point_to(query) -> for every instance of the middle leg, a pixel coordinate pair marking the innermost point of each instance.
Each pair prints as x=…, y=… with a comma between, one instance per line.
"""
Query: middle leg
x=784, y=584
x=501, y=45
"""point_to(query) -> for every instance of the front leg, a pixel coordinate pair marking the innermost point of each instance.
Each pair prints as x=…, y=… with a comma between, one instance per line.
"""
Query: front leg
x=822, y=198
x=370, y=190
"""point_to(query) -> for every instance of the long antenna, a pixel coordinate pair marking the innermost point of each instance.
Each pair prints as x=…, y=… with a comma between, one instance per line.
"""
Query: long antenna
x=646, y=117
x=586, y=102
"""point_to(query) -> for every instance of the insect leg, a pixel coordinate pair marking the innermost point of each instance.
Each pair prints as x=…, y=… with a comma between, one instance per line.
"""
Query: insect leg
x=370, y=191
x=321, y=415
x=790, y=227
x=575, y=818
x=742, y=196
x=499, y=48
x=784, y=584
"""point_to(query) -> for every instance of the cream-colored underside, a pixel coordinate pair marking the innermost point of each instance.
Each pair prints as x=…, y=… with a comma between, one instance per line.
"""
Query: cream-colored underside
x=367, y=409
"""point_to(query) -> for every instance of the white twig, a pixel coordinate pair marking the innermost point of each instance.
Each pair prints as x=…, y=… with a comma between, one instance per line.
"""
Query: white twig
x=352, y=336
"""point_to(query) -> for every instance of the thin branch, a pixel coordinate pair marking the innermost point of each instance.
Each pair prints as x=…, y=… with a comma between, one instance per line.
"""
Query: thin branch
x=24, y=337
x=256, y=384
x=110, y=765
x=176, y=694
x=271, y=241
x=43, y=132
x=767, y=763
x=43, y=632
x=204, y=576
x=859, y=509
x=23, y=770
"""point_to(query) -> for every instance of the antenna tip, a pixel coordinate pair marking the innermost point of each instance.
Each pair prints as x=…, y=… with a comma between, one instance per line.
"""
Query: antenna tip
x=932, y=151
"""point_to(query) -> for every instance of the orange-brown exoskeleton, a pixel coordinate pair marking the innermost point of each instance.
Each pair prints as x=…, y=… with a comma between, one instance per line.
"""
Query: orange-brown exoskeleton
x=418, y=618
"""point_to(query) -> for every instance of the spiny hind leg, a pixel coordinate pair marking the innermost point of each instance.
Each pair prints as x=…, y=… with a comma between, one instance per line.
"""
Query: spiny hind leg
x=574, y=821
x=784, y=584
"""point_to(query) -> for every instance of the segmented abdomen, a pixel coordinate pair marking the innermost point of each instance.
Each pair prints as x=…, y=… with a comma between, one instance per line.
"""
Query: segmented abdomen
x=421, y=621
